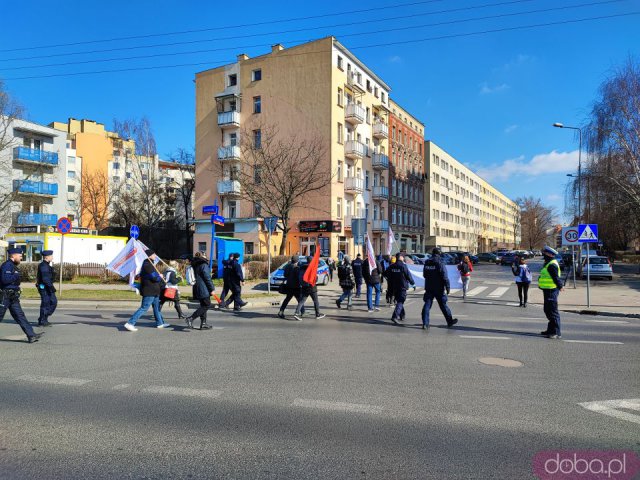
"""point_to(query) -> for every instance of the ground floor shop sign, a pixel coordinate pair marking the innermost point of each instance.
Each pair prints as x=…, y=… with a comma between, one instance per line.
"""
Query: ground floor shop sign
x=321, y=226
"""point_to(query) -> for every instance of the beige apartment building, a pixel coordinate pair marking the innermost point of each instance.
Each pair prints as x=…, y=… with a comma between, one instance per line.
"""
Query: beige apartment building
x=465, y=212
x=318, y=90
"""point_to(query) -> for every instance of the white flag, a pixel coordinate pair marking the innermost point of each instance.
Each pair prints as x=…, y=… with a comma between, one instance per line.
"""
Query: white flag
x=129, y=260
x=390, y=241
x=370, y=255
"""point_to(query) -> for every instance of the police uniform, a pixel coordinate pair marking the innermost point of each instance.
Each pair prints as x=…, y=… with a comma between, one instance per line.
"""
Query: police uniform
x=399, y=278
x=10, y=287
x=46, y=289
x=226, y=275
x=550, y=283
x=235, y=283
x=436, y=287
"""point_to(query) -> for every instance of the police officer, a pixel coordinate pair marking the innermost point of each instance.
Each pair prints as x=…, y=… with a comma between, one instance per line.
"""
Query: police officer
x=236, y=281
x=357, y=274
x=226, y=275
x=399, y=278
x=550, y=283
x=46, y=289
x=10, y=287
x=436, y=287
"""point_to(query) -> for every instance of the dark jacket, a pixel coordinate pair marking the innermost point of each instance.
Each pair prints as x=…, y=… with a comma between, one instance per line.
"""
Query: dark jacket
x=372, y=277
x=151, y=283
x=235, y=275
x=203, y=286
x=45, y=277
x=306, y=288
x=345, y=276
x=292, y=277
x=357, y=269
x=436, y=280
x=226, y=270
x=398, y=276
x=9, y=276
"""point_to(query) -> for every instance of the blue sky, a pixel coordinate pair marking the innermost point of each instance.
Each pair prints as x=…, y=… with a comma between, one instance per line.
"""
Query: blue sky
x=488, y=99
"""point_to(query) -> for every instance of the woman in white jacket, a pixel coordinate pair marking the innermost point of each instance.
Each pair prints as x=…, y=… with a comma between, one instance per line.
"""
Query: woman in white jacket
x=171, y=280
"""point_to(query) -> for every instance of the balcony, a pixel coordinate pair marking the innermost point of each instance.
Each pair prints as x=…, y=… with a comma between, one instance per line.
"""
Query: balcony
x=30, y=155
x=229, y=119
x=380, y=130
x=354, y=114
x=354, y=149
x=231, y=152
x=355, y=82
x=380, y=226
x=229, y=188
x=35, y=188
x=36, y=219
x=353, y=185
x=380, y=193
x=380, y=161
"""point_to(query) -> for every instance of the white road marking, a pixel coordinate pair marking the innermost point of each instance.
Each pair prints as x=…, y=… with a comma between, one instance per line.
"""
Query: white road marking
x=593, y=342
x=512, y=304
x=184, y=392
x=488, y=337
x=498, y=292
x=613, y=322
x=54, y=380
x=475, y=291
x=610, y=408
x=121, y=387
x=14, y=337
x=337, y=406
x=485, y=303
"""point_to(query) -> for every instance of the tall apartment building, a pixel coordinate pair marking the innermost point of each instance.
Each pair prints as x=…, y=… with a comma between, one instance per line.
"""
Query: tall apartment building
x=316, y=90
x=465, y=212
x=406, y=202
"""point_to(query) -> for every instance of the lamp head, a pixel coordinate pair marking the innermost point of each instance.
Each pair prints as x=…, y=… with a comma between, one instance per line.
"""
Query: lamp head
x=558, y=125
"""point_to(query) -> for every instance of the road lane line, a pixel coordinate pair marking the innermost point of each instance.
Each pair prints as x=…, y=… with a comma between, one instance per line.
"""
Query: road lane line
x=488, y=337
x=184, y=392
x=610, y=408
x=613, y=322
x=337, y=406
x=475, y=291
x=54, y=380
x=593, y=342
x=121, y=386
x=498, y=292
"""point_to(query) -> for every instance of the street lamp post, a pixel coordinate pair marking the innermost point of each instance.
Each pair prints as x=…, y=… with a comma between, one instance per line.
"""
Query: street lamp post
x=560, y=125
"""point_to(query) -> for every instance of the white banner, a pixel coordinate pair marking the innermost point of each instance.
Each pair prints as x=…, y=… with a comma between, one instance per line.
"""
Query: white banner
x=129, y=260
x=452, y=272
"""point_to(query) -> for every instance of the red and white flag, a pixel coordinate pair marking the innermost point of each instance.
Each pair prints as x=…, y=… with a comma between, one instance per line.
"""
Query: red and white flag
x=390, y=241
x=370, y=255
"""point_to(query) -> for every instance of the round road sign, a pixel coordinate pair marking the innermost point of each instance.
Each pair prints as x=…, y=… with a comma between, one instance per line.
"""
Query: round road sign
x=63, y=225
x=571, y=235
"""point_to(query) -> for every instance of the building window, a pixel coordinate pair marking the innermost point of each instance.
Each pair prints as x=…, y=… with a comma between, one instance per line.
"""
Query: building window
x=369, y=86
x=340, y=97
x=366, y=179
x=116, y=179
x=257, y=209
x=257, y=105
x=257, y=139
x=248, y=248
x=128, y=174
x=71, y=188
x=72, y=217
x=233, y=139
x=256, y=75
x=368, y=114
x=340, y=133
x=232, y=209
x=257, y=175
x=202, y=246
x=339, y=170
x=233, y=80
x=71, y=174
x=339, y=207
x=382, y=97
x=375, y=92
x=340, y=63
x=116, y=165
x=71, y=204
x=71, y=160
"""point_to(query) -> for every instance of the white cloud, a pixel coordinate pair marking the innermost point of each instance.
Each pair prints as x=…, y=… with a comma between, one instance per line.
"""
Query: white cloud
x=543, y=164
x=510, y=128
x=518, y=61
x=395, y=59
x=485, y=89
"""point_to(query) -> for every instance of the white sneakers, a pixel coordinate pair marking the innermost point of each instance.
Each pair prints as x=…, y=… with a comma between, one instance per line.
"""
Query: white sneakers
x=130, y=327
x=164, y=325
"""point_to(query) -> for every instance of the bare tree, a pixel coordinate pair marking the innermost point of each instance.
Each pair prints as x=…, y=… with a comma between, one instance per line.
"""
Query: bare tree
x=279, y=173
x=186, y=185
x=98, y=198
x=536, y=220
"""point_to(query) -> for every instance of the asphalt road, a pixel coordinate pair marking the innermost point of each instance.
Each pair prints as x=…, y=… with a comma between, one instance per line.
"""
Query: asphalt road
x=348, y=396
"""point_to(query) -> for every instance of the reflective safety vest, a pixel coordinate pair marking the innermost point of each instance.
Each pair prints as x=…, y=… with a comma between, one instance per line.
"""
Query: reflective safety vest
x=545, y=281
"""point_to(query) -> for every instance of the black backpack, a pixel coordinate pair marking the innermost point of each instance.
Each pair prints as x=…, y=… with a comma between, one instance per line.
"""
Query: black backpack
x=342, y=271
x=464, y=268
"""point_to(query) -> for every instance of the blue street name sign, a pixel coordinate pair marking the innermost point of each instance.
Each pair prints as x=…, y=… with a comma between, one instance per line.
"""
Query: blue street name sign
x=588, y=233
x=134, y=231
x=210, y=210
x=217, y=219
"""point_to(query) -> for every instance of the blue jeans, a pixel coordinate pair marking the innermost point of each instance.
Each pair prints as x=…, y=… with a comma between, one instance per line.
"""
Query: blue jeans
x=146, y=303
x=346, y=293
x=370, y=289
x=442, y=303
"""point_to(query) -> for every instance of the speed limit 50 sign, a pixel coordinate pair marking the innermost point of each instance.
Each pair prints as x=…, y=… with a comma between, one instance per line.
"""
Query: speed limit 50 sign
x=570, y=236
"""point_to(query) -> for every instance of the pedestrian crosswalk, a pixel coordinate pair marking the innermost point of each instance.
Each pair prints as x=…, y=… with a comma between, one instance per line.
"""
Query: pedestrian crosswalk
x=492, y=292
x=620, y=409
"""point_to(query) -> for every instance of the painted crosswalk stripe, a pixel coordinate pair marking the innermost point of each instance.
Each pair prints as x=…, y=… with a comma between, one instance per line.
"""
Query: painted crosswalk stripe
x=602, y=342
x=475, y=291
x=498, y=292
x=613, y=322
x=613, y=408
x=54, y=380
x=487, y=337
x=337, y=406
x=184, y=392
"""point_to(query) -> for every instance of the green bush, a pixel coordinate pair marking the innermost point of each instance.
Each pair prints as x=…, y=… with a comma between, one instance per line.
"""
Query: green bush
x=255, y=270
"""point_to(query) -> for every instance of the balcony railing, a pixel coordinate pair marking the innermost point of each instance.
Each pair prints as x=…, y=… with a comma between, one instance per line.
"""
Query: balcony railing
x=380, y=225
x=229, y=187
x=380, y=161
x=231, y=152
x=380, y=130
x=35, y=156
x=353, y=185
x=354, y=113
x=35, y=188
x=36, y=219
x=354, y=149
x=380, y=193
x=229, y=119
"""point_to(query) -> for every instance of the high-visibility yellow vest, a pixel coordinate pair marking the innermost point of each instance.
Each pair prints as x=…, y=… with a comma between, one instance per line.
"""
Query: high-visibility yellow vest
x=545, y=281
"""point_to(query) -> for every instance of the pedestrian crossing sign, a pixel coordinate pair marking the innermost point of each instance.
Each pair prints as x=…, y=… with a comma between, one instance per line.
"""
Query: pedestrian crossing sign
x=588, y=233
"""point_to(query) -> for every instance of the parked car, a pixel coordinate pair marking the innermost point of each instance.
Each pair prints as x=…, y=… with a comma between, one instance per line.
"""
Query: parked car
x=449, y=259
x=508, y=258
x=277, y=277
x=599, y=267
x=487, y=257
x=560, y=260
x=416, y=259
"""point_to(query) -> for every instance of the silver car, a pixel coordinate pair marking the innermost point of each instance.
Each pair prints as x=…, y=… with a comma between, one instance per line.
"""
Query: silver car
x=599, y=267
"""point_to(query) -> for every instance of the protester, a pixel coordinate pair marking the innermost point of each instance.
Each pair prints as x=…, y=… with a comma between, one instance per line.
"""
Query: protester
x=151, y=285
x=202, y=290
x=46, y=289
x=391, y=301
x=551, y=285
x=436, y=286
x=227, y=266
x=332, y=267
x=373, y=279
x=523, y=280
x=356, y=265
x=10, y=290
x=291, y=285
x=399, y=279
x=465, y=267
x=172, y=292
x=236, y=281
x=347, y=281
x=308, y=288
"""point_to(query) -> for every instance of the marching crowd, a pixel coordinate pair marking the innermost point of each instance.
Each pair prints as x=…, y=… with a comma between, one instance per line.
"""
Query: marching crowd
x=299, y=282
